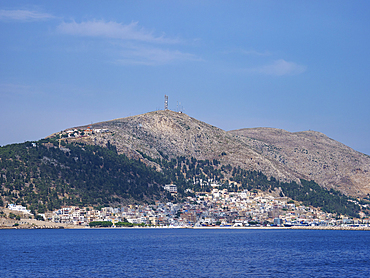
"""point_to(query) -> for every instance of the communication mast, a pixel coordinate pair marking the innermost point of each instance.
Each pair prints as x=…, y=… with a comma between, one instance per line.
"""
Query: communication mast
x=165, y=102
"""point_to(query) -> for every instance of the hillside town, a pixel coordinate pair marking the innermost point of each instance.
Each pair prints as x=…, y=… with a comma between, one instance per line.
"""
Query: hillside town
x=218, y=208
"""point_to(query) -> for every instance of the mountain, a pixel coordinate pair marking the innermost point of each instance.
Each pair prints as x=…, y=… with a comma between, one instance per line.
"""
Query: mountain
x=277, y=153
x=312, y=155
x=129, y=160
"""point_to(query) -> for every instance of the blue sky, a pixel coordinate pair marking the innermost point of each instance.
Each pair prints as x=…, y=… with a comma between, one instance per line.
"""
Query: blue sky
x=294, y=65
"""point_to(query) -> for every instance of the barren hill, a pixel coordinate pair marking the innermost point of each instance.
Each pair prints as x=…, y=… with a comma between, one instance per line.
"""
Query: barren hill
x=284, y=155
x=312, y=156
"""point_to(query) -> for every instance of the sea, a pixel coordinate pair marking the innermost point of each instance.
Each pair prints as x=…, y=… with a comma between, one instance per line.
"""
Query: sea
x=184, y=253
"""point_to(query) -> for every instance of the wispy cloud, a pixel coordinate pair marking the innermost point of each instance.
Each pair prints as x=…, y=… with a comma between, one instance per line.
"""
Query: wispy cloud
x=255, y=53
x=131, y=43
x=113, y=30
x=17, y=90
x=280, y=68
x=154, y=56
x=23, y=15
x=248, y=52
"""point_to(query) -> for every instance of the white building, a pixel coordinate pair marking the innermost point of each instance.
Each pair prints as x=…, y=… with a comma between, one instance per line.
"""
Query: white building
x=19, y=208
x=172, y=188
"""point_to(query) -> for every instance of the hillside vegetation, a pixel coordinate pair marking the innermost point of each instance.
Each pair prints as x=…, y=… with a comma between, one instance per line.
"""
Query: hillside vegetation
x=45, y=176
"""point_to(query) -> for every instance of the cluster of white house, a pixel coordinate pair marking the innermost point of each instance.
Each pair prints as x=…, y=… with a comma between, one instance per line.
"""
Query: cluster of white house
x=217, y=208
x=78, y=133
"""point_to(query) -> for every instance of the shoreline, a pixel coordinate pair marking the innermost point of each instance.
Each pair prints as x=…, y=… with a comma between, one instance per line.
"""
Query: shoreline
x=61, y=226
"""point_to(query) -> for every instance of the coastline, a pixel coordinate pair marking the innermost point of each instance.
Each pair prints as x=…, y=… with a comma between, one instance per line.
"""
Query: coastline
x=339, y=228
x=35, y=224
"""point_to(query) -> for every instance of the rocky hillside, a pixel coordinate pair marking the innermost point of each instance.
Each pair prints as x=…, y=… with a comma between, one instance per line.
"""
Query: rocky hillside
x=312, y=156
x=281, y=154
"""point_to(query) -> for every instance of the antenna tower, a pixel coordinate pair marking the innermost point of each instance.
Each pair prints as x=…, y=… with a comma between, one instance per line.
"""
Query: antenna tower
x=165, y=102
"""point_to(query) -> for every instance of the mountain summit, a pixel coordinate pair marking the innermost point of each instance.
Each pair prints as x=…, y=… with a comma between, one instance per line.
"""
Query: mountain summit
x=278, y=153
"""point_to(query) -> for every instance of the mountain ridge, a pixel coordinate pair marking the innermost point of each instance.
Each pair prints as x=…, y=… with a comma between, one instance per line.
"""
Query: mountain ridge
x=283, y=155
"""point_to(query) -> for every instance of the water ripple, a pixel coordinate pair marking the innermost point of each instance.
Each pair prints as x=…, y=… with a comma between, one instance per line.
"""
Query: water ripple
x=183, y=253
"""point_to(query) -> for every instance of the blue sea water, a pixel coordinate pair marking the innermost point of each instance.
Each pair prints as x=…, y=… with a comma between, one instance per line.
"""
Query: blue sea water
x=184, y=253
